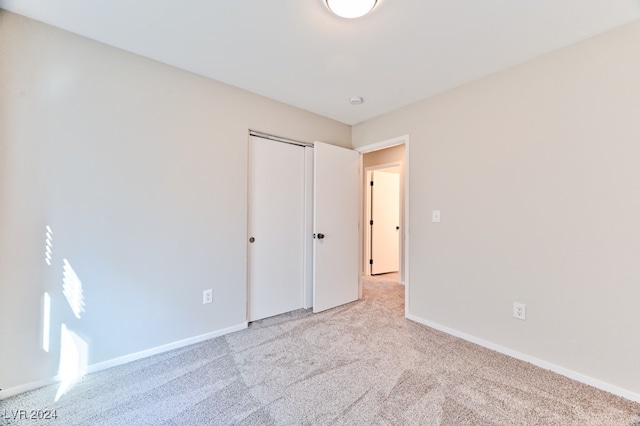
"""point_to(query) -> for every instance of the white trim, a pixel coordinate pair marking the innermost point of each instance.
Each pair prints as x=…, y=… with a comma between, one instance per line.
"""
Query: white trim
x=6, y=393
x=582, y=378
x=383, y=144
x=308, y=227
x=361, y=226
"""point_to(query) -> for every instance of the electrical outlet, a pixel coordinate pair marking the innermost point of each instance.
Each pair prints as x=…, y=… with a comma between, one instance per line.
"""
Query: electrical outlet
x=207, y=296
x=519, y=310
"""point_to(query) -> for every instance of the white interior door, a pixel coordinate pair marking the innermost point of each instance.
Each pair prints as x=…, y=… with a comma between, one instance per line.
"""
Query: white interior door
x=385, y=215
x=276, y=225
x=336, y=210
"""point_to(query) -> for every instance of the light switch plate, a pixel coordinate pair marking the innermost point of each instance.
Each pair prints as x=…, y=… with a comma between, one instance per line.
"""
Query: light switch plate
x=435, y=216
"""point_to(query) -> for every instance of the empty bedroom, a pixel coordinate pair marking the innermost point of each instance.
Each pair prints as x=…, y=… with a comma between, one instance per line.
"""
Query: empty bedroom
x=324, y=212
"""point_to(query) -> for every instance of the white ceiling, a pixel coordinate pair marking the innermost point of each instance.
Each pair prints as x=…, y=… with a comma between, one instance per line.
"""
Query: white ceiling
x=297, y=52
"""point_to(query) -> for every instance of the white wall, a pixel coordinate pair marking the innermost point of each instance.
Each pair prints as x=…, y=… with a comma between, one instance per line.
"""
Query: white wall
x=536, y=173
x=141, y=171
x=383, y=156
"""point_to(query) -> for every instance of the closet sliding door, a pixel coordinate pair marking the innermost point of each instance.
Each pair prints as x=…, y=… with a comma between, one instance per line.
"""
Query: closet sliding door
x=276, y=228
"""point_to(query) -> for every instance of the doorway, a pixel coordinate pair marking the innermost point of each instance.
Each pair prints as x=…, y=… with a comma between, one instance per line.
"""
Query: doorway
x=377, y=160
x=381, y=155
x=382, y=224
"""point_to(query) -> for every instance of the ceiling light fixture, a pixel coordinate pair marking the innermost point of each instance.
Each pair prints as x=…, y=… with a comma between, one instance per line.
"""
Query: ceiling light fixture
x=356, y=100
x=350, y=8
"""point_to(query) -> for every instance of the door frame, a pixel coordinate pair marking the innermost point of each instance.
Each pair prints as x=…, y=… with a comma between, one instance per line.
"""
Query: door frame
x=366, y=267
x=388, y=143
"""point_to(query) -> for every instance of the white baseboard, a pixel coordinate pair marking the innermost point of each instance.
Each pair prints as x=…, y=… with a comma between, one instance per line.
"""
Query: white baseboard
x=16, y=390
x=632, y=396
x=6, y=393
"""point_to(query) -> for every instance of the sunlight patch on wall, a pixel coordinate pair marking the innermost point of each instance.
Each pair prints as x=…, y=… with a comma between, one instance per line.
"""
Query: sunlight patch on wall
x=72, y=289
x=48, y=245
x=73, y=360
x=46, y=321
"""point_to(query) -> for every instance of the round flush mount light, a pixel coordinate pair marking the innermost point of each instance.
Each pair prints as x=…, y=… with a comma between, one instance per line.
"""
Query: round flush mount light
x=356, y=100
x=350, y=8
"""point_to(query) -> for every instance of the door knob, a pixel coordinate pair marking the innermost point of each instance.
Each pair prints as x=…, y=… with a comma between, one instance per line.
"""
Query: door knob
x=320, y=236
x=252, y=240
x=397, y=228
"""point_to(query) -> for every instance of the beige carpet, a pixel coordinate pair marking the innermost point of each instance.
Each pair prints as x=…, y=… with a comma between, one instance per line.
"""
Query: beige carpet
x=359, y=364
